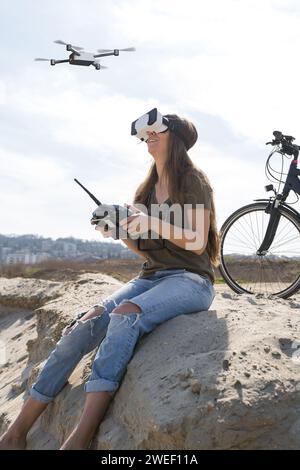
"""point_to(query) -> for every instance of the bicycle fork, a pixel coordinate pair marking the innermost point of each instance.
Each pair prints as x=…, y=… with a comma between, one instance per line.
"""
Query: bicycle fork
x=272, y=209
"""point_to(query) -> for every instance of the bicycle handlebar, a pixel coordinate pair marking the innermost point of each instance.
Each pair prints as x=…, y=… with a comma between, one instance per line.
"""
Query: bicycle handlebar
x=286, y=142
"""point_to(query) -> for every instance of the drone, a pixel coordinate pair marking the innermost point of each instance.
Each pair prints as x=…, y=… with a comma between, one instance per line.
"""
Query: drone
x=79, y=57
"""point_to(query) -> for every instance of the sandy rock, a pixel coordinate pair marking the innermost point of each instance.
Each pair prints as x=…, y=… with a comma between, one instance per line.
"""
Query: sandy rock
x=27, y=293
x=227, y=378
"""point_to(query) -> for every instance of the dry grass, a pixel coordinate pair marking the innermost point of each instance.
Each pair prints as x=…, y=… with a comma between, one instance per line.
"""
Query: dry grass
x=63, y=270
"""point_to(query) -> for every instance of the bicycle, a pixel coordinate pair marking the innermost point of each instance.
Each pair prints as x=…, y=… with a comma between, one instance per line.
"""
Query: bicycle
x=260, y=242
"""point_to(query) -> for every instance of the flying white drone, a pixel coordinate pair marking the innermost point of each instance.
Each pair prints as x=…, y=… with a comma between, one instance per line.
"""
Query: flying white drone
x=80, y=57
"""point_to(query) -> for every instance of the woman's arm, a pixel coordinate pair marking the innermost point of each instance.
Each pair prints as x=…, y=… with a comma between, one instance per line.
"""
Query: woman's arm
x=194, y=238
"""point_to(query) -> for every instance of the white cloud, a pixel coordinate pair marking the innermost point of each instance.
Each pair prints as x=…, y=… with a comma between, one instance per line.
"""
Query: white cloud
x=243, y=65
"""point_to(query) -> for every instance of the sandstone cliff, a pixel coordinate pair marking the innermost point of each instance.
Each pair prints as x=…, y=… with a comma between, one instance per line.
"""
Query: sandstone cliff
x=228, y=378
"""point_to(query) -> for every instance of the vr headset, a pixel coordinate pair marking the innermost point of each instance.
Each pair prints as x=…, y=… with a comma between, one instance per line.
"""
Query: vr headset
x=154, y=121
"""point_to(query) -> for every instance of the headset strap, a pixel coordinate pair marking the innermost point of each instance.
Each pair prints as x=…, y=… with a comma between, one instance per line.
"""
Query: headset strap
x=174, y=128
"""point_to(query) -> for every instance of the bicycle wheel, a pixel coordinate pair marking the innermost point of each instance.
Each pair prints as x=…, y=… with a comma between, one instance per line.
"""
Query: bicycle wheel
x=275, y=273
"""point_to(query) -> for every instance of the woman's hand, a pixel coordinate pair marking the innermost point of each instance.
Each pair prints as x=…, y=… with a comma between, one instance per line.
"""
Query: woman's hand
x=136, y=224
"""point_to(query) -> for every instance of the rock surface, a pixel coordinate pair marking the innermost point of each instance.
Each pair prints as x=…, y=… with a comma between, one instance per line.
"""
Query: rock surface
x=227, y=378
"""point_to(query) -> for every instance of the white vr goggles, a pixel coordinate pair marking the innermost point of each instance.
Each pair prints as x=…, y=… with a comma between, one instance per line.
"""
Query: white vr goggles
x=153, y=121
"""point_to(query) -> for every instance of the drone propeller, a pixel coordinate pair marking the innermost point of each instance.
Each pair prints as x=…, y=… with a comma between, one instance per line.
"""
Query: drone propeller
x=59, y=41
x=128, y=49
x=42, y=59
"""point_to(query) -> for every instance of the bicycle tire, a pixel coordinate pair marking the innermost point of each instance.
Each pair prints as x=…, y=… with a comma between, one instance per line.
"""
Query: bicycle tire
x=228, y=278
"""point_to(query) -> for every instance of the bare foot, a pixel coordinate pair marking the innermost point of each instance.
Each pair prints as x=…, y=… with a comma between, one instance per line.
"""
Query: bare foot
x=8, y=442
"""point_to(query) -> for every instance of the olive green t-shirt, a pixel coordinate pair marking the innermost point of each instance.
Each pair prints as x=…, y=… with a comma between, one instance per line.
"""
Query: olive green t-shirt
x=169, y=255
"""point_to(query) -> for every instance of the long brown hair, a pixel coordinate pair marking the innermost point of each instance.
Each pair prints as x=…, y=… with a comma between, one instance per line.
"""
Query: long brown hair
x=178, y=171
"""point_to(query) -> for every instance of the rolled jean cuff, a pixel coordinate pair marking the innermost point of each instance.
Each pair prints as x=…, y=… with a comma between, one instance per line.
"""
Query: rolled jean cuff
x=39, y=396
x=101, y=385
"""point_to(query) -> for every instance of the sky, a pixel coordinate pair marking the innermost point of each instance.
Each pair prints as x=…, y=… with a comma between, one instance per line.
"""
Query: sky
x=231, y=67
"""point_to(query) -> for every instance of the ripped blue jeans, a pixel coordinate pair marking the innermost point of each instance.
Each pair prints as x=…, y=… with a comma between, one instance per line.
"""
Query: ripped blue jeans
x=162, y=296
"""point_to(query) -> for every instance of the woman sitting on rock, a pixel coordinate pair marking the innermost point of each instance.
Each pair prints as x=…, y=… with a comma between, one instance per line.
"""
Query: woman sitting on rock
x=177, y=278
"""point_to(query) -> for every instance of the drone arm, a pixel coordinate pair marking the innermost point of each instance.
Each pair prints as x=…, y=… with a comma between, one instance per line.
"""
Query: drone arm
x=74, y=51
x=104, y=54
x=61, y=61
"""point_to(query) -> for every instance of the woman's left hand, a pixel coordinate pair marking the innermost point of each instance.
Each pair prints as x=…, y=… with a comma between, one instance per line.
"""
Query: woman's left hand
x=137, y=223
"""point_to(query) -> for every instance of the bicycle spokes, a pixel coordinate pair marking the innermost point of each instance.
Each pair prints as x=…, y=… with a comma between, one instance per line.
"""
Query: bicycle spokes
x=273, y=270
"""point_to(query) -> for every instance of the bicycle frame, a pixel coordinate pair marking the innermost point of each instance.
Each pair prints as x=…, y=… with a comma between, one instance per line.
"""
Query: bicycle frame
x=292, y=183
x=292, y=180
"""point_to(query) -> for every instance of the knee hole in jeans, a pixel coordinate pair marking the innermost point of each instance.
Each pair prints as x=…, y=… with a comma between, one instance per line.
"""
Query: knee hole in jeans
x=127, y=307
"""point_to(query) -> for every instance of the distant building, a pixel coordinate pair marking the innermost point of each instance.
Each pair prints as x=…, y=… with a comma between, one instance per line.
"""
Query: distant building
x=42, y=256
x=25, y=258
x=47, y=245
x=69, y=249
x=4, y=252
x=19, y=257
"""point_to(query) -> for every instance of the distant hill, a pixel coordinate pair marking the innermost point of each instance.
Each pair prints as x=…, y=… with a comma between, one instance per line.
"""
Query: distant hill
x=32, y=249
